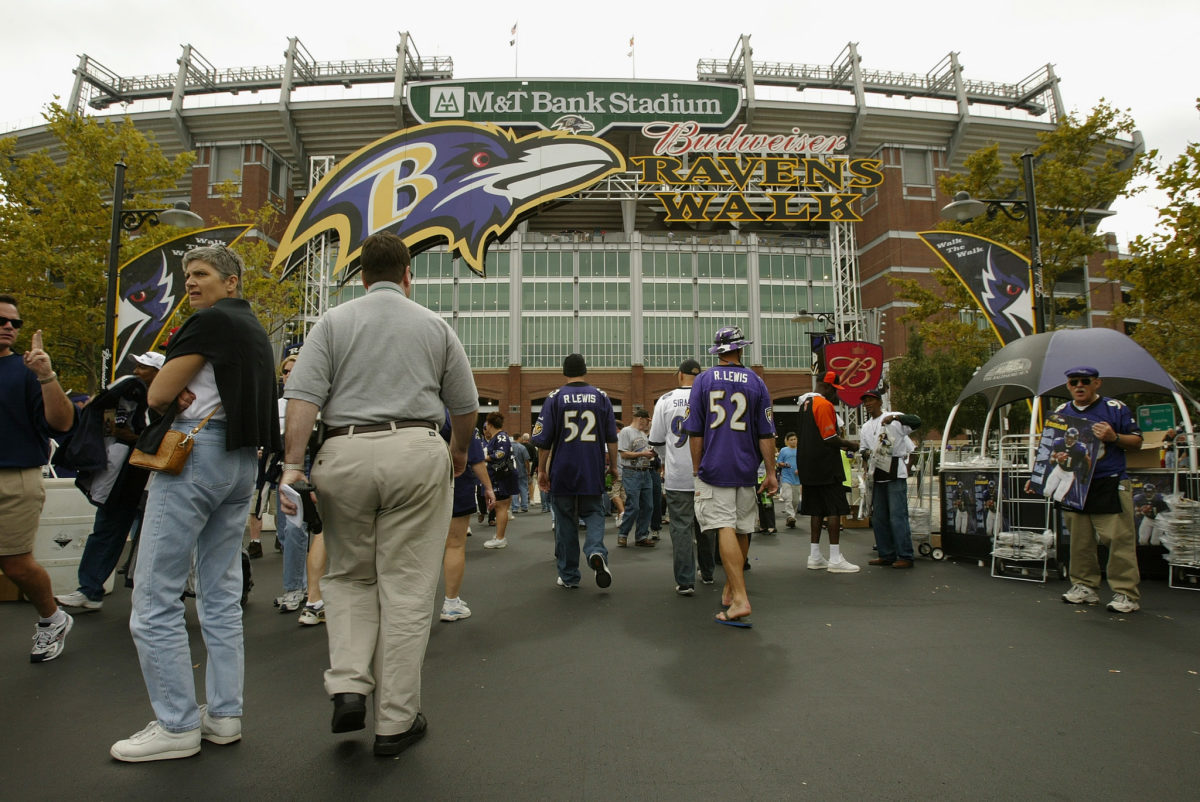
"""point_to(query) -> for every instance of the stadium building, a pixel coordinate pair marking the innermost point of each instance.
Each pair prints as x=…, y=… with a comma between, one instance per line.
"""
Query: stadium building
x=637, y=271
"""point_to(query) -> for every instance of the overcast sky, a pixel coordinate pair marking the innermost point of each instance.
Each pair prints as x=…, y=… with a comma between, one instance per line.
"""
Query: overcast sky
x=1139, y=56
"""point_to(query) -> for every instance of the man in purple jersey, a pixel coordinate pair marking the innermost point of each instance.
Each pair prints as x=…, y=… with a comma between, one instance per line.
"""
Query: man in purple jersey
x=1107, y=514
x=731, y=428
x=574, y=431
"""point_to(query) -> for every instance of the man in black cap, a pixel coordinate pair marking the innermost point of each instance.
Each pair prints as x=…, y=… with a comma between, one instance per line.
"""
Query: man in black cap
x=1107, y=513
x=671, y=442
x=886, y=446
x=574, y=430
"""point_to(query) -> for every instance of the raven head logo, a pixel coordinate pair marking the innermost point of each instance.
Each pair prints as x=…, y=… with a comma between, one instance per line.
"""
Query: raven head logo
x=150, y=291
x=462, y=183
x=1006, y=296
x=573, y=123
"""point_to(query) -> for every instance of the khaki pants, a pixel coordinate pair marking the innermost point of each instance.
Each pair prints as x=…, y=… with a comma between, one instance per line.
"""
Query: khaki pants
x=1114, y=531
x=385, y=499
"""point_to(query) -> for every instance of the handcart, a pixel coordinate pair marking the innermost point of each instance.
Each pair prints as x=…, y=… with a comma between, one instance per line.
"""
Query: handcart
x=921, y=505
x=1022, y=528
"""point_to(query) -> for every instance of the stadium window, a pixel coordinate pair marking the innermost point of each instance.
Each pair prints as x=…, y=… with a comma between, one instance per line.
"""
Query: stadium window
x=279, y=177
x=226, y=164
x=915, y=168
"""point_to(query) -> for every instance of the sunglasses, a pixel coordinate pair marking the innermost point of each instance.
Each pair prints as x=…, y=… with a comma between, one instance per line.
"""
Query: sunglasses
x=15, y=321
x=1083, y=382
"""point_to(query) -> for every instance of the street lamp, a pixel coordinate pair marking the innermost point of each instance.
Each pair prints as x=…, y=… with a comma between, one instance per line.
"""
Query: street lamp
x=965, y=208
x=817, y=342
x=131, y=220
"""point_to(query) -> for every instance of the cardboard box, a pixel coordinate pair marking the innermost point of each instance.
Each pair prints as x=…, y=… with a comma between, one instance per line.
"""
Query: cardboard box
x=9, y=591
x=1150, y=454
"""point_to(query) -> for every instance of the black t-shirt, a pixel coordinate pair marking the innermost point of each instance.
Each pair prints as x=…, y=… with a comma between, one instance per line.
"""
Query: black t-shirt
x=230, y=337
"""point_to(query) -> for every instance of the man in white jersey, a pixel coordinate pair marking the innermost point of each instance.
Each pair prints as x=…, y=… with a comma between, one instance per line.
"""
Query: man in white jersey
x=668, y=438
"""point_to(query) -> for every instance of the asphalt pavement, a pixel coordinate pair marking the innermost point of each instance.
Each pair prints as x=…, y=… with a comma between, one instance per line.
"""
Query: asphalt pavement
x=936, y=683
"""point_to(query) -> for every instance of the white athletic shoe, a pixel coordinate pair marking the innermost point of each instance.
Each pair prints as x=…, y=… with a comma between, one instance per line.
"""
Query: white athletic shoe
x=1081, y=594
x=842, y=566
x=1123, y=604
x=496, y=543
x=219, y=729
x=155, y=743
x=818, y=563
x=76, y=599
x=454, y=610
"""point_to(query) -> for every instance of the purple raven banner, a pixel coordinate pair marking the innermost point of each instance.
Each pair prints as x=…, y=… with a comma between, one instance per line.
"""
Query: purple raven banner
x=150, y=290
x=997, y=277
x=461, y=183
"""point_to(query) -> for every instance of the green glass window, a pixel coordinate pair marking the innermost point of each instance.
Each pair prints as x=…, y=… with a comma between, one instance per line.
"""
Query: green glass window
x=784, y=344
x=596, y=264
x=668, y=340
x=546, y=340
x=485, y=339
x=606, y=340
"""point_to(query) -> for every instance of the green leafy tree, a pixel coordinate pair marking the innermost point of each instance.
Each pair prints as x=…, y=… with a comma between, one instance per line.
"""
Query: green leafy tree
x=55, y=221
x=1078, y=168
x=1163, y=273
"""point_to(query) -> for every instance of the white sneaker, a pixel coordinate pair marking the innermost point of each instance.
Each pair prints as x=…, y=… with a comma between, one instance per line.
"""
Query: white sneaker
x=496, y=543
x=818, y=563
x=311, y=616
x=454, y=610
x=291, y=601
x=77, y=599
x=1123, y=604
x=155, y=743
x=1081, y=594
x=49, y=640
x=219, y=729
x=842, y=566
x=565, y=586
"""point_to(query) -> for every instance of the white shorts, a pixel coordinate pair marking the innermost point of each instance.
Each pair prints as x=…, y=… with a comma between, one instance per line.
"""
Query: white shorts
x=721, y=507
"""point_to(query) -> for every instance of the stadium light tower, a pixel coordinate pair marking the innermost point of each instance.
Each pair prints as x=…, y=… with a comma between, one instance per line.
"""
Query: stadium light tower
x=130, y=220
x=965, y=208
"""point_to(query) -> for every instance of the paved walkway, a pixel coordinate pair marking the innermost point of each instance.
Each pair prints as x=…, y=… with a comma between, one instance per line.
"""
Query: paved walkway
x=935, y=683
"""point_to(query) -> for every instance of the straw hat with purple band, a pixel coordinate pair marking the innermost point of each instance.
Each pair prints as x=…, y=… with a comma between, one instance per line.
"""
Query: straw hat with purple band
x=151, y=359
x=1083, y=371
x=728, y=338
x=831, y=378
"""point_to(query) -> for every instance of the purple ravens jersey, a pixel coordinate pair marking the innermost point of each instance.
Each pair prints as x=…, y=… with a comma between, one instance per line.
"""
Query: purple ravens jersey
x=731, y=409
x=465, y=485
x=575, y=424
x=1116, y=414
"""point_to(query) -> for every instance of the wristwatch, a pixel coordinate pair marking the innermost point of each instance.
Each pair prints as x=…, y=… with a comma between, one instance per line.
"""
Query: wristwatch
x=292, y=466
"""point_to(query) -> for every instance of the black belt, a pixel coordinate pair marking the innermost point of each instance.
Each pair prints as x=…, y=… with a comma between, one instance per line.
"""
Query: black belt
x=377, y=427
x=631, y=468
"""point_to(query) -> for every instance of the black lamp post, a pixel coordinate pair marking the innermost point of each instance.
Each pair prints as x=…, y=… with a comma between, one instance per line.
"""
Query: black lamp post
x=130, y=220
x=966, y=208
x=818, y=342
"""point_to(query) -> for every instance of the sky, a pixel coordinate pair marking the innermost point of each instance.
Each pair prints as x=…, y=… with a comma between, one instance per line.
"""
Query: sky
x=1139, y=57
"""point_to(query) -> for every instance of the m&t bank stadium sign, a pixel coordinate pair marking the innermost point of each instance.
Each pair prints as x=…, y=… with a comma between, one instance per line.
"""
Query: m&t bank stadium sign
x=581, y=107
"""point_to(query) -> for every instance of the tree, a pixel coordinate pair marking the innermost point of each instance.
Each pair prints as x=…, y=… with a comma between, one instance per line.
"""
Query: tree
x=1077, y=170
x=55, y=223
x=926, y=382
x=1163, y=276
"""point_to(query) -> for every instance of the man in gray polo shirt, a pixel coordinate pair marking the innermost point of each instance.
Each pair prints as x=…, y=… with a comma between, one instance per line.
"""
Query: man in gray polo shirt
x=382, y=370
x=636, y=453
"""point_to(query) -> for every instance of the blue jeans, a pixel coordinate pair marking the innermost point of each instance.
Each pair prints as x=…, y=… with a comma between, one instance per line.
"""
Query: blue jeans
x=568, y=510
x=103, y=549
x=202, y=510
x=656, y=500
x=889, y=519
x=681, y=507
x=639, y=503
x=294, y=540
x=522, y=500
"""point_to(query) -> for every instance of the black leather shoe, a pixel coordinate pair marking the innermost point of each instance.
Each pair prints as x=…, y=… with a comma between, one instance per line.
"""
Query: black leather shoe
x=349, y=712
x=388, y=745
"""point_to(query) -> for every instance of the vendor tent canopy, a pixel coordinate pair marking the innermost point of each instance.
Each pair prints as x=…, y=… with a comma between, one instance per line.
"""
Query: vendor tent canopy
x=1035, y=366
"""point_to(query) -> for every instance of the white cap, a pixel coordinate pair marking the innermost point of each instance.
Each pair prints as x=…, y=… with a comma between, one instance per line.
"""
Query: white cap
x=151, y=359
